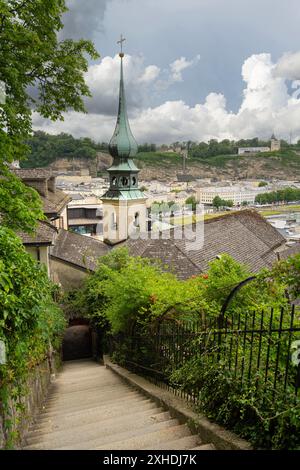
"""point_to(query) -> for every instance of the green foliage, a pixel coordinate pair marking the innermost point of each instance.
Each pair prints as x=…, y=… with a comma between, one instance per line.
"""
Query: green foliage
x=213, y=148
x=218, y=202
x=249, y=409
x=261, y=184
x=125, y=289
x=161, y=159
x=39, y=74
x=282, y=195
x=32, y=56
x=28, y=313
x=147, y=148
x=191, y=201
x=46, y=148
x=29, y=319
x=20, y=205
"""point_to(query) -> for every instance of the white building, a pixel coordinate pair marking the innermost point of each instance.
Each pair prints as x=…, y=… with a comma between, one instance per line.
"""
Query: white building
x=236, y=194
x=252, y=150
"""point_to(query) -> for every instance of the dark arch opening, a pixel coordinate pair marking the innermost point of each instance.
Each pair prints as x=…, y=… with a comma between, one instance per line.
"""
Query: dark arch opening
x=77, y=341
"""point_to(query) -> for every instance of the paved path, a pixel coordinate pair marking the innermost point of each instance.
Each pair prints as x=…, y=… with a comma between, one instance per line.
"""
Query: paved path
x=89, y=407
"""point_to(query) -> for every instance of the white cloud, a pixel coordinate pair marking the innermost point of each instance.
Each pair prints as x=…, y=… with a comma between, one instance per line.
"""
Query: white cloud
x=267, y=106
x=103, y=81
x=150, y=74
x=288, y=66
x=179, y=65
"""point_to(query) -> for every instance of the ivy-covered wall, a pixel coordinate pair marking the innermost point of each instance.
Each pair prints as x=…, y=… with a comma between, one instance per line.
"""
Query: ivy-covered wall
x=31, y=325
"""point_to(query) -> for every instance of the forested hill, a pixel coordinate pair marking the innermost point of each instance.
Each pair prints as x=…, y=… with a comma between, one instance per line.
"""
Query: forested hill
x=46, y=148
x=213, y=159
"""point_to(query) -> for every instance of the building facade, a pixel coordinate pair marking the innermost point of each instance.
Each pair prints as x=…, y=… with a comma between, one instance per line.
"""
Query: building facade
x=252, y=150
x=237, y=194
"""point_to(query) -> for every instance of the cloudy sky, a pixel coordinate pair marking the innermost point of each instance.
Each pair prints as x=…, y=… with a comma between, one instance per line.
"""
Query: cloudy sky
x=194, y=69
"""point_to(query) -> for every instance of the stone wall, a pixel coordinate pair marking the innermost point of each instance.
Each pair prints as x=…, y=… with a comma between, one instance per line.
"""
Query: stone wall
x=35, y=392
x=69, y=277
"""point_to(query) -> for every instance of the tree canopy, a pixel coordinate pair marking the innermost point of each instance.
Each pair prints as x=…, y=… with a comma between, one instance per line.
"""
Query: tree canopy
x=46, y=148
x=282, y=195
x=39, y=74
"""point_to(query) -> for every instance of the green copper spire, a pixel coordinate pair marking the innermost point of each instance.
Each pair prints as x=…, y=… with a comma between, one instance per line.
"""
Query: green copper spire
x=122, y=143
x=123, y=174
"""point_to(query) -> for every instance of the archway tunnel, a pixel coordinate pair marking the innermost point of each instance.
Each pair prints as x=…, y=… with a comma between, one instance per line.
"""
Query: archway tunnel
x=81, y=341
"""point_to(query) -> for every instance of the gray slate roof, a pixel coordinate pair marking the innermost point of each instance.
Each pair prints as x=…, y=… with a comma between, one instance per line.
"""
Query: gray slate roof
x=290, y=251
x=245, y=235
x=44, y=235
x=78, y=249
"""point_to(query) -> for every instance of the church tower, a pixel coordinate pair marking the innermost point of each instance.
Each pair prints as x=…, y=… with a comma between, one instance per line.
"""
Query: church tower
x=124, y=205
x=275, y=143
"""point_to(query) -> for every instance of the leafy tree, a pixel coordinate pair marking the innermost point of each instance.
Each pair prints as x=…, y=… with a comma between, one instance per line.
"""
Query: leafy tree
x=282, y=195
x=125, y=289
x=39, y=74
x=46, y=148
x=261, y=184
x=191, y=201
x=219, y=202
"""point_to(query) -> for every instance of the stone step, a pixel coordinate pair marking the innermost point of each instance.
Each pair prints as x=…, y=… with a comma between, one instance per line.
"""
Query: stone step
x=90, y=408
x=204, y=447
x=88, y=444
x=95, y=414
x=87, y=408
x=89, y=397
x=98, y=429
x=183, y=443
x=72, y=390
x=151, y=439
x=73, y=407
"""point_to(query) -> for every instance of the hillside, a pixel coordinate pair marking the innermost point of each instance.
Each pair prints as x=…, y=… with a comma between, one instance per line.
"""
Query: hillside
x=65, y=153
x=284, y=165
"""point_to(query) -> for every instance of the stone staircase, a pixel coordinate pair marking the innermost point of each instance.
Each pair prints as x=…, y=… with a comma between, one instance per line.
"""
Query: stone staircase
x=89, y=407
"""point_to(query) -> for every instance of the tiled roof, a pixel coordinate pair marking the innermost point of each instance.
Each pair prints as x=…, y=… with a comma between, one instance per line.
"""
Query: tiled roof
x=54, y=203
x=290, y=251
x=244, y=235
x=44, y=235
x=33, y=173
x=78, y=249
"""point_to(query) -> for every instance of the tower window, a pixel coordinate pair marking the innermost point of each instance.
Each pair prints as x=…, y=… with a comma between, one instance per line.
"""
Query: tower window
x=114, y=181
x=136, y=222
x=113, y=221
x=133, y=181
x=124, y=181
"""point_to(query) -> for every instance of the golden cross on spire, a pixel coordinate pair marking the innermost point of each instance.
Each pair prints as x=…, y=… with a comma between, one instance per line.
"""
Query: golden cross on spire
x=121, y=40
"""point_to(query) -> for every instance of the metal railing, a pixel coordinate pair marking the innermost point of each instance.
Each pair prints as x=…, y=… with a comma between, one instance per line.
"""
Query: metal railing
x=260, y=350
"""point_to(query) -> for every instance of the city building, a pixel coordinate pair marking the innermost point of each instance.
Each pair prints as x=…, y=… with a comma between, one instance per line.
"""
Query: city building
x=237, y=194
x=85, y=215
x=54, y=200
